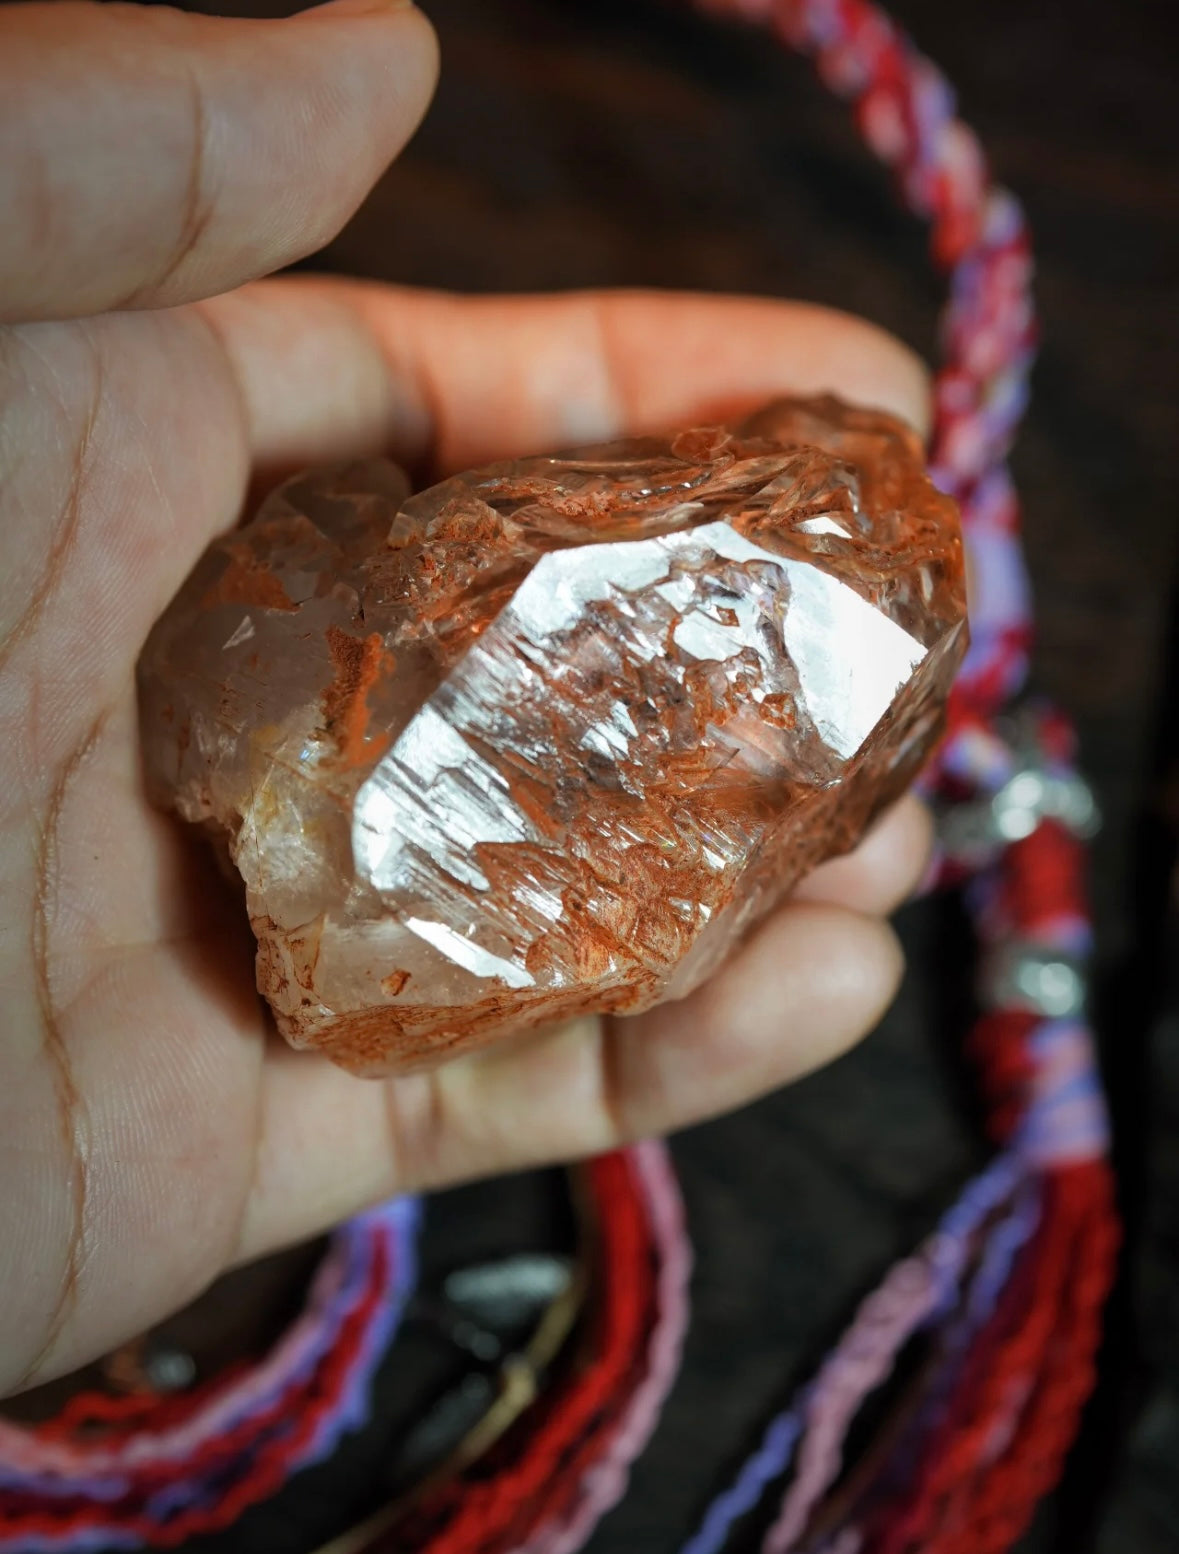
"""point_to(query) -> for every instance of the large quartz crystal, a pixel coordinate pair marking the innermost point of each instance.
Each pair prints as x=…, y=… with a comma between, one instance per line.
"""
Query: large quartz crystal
x=550, y=737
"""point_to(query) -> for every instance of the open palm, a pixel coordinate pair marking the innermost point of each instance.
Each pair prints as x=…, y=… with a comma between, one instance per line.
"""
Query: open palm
x=152, y=1130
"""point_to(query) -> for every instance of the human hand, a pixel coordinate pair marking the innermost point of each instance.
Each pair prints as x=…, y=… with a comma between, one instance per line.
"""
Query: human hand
x=152, y=1130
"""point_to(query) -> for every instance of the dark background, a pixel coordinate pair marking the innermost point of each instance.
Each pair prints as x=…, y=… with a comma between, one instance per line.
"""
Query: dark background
x=623, y=142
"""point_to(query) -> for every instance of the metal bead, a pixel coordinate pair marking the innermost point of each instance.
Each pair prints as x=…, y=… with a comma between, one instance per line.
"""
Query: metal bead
x=1017, y=807
x=169, y=1369
x=1042, y=980
x=1030, y=795
x=1075, y=806
x=510, y=1290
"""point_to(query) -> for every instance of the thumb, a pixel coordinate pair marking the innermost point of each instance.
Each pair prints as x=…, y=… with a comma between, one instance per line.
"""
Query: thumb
x=149, y=157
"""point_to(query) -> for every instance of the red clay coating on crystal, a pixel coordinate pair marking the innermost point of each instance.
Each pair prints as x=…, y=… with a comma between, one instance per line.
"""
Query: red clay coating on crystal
x=346, y=709
x=247, y=580
x=468, y=796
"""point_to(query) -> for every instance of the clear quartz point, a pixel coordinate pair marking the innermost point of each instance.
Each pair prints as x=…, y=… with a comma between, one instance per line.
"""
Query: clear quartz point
x=550, y=737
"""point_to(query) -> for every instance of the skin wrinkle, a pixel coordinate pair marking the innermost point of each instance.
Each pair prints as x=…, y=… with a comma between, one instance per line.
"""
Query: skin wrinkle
x=75, y=1124
x=225, y=1249
x=605, y=324
x=584, y=1051
x=198, y=205
x=429, y=390
x=34, y=199
x=423, y=1122
x=41, y=199
x=232, y=1253
x=610, y=1090
x=65, y=529
x=596, y=313
x=208, y=320
x=614, y=400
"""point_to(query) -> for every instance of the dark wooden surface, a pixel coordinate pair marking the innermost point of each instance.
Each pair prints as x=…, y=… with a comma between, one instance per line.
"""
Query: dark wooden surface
x=619, y=142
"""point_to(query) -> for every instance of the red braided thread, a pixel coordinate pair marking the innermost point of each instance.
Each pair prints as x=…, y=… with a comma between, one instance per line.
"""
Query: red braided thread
x=1031, y=1368
x=1041, y=880
x=1011, y=1342
x=992, y=1507
x=541, y=1463
x=98, y=1413
x=997, y=1044
x=1043, y=1336
x=101, y=1416
x=266, y=1473
x=547, y=1472
x=1007, y=1497
x=864, y=56
x=1002, y=1357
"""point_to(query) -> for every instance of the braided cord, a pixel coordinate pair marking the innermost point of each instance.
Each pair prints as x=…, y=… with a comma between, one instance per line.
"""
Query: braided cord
x=1006, y=1294
x=1013, y=1343
x=102, y=1475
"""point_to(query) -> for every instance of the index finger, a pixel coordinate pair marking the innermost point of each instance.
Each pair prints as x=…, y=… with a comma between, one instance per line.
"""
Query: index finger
x=148, y=157
x=332, y=369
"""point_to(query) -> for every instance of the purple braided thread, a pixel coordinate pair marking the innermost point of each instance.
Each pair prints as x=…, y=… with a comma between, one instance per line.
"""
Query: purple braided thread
x=397, y=1223
x=343, y=1278
x=82, y=1540
x=61, y=1467
x=916, y=1288
x=101, y=1472
x=911, y=1295
x=1002, y=1244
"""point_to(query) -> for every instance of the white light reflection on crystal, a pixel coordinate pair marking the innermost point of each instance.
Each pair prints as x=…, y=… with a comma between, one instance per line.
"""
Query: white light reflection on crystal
x=435, y=797
x=613, y=735
x=243, y=634
x=825, y=524
x=554, y=594
x=470, y=956
x=846, y=693
x=434, y=794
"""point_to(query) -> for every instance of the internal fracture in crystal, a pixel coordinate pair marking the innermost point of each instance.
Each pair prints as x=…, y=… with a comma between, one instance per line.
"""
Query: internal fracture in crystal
x=551, y=736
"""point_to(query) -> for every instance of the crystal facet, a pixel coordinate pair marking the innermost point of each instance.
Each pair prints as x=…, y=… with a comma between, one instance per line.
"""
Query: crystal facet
x=549, y=737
